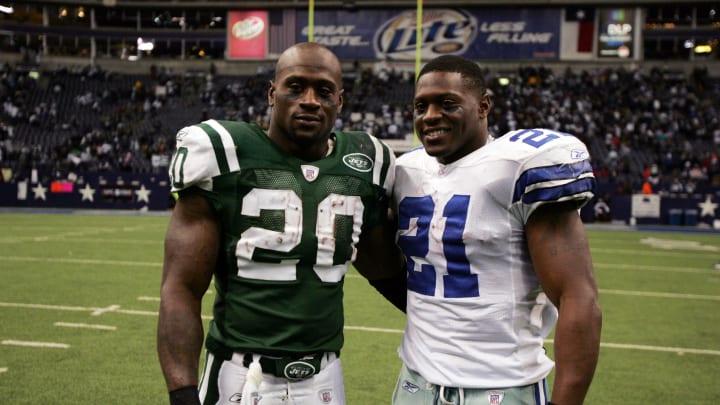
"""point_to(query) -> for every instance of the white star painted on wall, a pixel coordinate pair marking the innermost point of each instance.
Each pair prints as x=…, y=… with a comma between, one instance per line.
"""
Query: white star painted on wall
x=39, y=192
x=707, y=207
x=88, y=193
x=143, y=194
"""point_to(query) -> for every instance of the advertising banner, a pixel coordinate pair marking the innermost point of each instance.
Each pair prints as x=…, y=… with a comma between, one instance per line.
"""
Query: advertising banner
x=247, y=34
x=390, y=34
x=145, y=192
x=615, y=39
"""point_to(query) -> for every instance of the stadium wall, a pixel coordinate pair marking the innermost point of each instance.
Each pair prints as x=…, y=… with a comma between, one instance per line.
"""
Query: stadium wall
x=151, y=192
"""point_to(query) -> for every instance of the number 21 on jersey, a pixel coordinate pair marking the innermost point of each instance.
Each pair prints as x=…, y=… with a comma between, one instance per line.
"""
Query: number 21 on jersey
x=437, y=234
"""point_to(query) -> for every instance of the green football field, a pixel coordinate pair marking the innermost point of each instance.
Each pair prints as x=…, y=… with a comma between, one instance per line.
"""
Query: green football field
x=79, y=297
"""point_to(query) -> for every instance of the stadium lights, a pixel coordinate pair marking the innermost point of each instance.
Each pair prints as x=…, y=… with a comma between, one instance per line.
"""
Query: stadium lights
x=6, y=9
x=145, y=46
x=703, y=49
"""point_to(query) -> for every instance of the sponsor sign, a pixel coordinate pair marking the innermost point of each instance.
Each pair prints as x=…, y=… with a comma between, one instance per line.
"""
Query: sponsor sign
x=391, y=34
x=645, y=206
x=615, y=39
x=247, y=34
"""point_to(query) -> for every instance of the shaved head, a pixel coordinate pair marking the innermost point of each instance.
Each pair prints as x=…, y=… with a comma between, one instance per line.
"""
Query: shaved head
x=311, y=56
x=306, y=96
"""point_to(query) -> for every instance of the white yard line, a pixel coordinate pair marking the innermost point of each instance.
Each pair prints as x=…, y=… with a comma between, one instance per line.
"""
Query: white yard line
x=116, y=309
x=35, y=344
x=82, y=261
x=369, y=329
x=671, y=269
x=661, y=295
x=616, y=266
x=91, y=310
x=3, y=369
x=708, y=253
x=85, y=326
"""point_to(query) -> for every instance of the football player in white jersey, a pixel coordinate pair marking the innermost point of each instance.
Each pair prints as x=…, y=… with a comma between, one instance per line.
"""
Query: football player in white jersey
x=496, y=253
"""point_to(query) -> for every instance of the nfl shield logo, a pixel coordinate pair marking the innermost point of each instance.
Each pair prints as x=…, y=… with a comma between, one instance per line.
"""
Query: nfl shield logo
x=310, y=172
x=326, y=396
x=495, y=397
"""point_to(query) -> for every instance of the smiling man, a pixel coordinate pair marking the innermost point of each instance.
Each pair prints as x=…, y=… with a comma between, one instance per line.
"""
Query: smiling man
x=496, y=253
x=275, y=218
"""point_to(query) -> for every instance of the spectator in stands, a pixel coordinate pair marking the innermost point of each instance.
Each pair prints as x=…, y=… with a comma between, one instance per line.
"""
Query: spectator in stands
x=647, y=187
x=601, y=210
x=661, y=118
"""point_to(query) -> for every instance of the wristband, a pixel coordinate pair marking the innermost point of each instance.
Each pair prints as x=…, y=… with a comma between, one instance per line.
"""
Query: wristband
x=185, y=396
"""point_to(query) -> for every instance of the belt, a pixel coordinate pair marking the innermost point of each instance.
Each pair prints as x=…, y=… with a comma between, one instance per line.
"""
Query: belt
x=292, y=368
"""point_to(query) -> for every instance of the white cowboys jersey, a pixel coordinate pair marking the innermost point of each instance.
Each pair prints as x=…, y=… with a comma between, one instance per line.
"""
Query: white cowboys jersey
x=476, y=315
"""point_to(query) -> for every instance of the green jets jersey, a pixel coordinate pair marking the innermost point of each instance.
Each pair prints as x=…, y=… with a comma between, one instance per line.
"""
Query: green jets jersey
x=289, y=230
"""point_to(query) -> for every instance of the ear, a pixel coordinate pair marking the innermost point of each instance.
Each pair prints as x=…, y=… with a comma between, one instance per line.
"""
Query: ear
x=271, y=93
x=340, y=100
x=484, y=105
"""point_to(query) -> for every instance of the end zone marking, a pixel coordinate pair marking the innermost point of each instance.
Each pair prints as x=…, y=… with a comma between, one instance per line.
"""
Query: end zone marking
x=35, y=344
x=85, y=325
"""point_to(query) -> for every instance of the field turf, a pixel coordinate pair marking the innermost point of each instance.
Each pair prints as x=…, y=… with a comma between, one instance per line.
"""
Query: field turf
x=79, y=298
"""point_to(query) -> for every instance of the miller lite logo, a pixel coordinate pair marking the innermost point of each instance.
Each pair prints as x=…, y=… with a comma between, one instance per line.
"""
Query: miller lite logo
x=444, y=31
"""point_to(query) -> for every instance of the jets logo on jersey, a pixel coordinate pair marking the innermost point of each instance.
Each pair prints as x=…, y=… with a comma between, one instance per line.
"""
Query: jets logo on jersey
x=358, y=161
x=310, y=172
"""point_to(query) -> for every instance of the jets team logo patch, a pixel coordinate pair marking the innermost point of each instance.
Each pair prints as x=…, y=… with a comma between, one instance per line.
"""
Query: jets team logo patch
x=310, y=172
x=495, y=397
x=358, y=161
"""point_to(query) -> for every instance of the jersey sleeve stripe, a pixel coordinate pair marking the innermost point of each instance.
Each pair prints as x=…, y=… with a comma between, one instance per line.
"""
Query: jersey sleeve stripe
x=217, y=147
x=228, y=145
x=582, y=189
x=550, y=173
x=379, y=160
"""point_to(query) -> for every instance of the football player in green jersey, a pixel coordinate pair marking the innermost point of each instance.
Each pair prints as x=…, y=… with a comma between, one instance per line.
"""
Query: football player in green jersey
x=275, y=218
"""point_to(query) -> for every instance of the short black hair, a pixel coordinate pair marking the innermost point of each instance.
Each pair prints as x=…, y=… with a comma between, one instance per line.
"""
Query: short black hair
x=470, y=71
